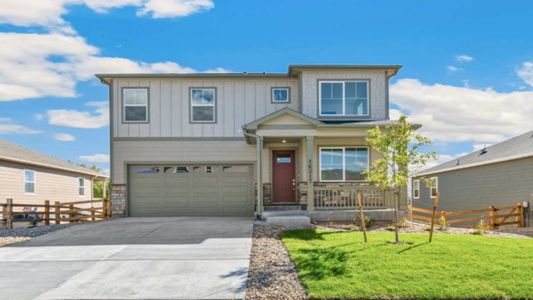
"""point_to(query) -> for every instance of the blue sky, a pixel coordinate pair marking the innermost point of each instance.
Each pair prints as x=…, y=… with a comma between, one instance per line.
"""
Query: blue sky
x=467, y=75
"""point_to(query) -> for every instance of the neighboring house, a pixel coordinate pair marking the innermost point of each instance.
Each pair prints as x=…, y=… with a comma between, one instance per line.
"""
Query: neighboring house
x=30, y=177
x=199, y=144
x=499, y=175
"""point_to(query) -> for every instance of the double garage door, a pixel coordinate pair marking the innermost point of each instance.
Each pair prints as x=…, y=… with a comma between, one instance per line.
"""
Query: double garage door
x=190, y=190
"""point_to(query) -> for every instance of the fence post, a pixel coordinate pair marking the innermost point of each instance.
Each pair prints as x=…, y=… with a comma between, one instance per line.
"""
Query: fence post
x=361, y=213
x=435, y=205
x=9, y=217
x=104, y=209
x=46, y=212
x=93, y=218
x=492, y=219
x=520, y=217
x=71, y=213
x=57, y=213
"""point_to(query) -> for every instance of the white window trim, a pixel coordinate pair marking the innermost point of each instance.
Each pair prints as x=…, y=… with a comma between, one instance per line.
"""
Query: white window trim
x=79, y=186
x=281, y=101
x=343, y=162
x=431, y=187
x=343, y=98
x=203, y=105
x=416, y=183
x=24, y=181
x=124, y=105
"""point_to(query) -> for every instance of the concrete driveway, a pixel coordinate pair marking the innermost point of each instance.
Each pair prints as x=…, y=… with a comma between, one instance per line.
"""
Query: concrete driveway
x=132, y=258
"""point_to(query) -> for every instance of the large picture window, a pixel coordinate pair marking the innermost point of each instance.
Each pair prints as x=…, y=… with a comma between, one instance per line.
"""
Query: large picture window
x=343, y=98
x=135, y=102
x=29, y=181
x=203, y=105
x=343, y=163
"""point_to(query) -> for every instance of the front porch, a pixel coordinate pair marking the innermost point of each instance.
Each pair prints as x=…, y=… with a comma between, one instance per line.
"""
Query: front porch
x=315, y=168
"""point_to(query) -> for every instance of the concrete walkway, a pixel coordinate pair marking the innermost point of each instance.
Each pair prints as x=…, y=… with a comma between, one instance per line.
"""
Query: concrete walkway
x=132, y=258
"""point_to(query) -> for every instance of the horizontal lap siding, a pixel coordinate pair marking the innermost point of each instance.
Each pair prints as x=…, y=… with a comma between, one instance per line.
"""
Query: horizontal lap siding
x=177, y=152
x=239, y=101
x=53, y=185
x=497, y=184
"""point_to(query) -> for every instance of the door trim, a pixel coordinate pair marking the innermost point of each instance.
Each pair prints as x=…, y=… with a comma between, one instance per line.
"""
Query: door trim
x=272, y=150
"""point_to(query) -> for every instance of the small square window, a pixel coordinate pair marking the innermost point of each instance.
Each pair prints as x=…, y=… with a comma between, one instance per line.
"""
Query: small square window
x=280, y=95
x=209, y=170
x=203, y=105
x=135, y=102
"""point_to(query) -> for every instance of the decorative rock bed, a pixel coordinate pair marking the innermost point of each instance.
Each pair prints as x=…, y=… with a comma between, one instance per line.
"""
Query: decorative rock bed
x=21, y=234
x=272, y=274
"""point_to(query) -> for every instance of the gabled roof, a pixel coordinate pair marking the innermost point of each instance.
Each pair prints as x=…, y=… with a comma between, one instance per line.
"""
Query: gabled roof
x=16, y=153
x=514, y=148
x=284, y=111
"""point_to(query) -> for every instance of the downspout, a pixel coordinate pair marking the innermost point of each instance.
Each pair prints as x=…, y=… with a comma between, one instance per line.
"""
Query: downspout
x=259, y=148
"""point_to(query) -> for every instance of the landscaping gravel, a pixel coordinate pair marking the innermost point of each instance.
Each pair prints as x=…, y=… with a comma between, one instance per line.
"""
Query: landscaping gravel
x=272, y=274
x=12, y=239
x=32, y=231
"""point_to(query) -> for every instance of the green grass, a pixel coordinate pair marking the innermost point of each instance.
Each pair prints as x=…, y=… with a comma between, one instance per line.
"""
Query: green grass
x=340, y=265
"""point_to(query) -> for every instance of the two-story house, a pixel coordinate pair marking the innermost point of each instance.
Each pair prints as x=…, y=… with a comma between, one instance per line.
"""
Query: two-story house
x=201, y=144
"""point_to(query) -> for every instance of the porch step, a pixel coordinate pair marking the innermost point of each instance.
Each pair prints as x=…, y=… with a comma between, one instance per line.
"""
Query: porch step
x=282, y=207
x=283, y=213
x=290, y=222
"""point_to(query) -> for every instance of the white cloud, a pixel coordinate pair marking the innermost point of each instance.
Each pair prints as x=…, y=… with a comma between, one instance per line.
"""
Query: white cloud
x=394, y=114
x=459, y=114
x=441, y=158
x=454, y=69
x=49, y=13
x=464, y=58
x=96, y=158
x=174, y=8
x=81, y=119
x=7, y=126
x=64, y=137
x=526, y=72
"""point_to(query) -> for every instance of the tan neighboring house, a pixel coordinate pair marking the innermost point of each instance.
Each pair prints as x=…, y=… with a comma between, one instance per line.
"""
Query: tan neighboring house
x=499, y=175
x=201, y=144
x=30, y=177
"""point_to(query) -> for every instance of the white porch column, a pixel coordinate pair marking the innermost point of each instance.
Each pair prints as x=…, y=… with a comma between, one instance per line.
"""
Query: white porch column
x=309, y=162
x=259, y=175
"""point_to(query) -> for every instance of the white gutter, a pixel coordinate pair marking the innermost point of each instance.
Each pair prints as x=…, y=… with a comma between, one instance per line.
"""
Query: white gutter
x=26, y=162
x=488, y=162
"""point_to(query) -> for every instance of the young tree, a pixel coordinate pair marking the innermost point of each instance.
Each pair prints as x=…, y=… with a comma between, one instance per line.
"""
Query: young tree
x=401, y=150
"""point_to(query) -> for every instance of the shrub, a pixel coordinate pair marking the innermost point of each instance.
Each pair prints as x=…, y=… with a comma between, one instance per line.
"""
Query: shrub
x=443, y=224
x=390, y=228
x=481, y=228
x=403, y=223
x=368, y=221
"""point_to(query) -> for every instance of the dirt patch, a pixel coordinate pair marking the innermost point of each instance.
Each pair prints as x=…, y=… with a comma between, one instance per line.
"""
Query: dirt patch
x=272, y=274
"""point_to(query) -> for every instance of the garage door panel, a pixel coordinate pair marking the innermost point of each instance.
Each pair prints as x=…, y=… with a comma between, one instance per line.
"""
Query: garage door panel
x=197, y=190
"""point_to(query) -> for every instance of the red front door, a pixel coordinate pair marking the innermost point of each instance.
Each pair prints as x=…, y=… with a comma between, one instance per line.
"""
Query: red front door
x=284, y=176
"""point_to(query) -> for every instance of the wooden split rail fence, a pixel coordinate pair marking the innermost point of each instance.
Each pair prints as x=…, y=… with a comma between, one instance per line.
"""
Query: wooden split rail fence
x=492, y=216
x=55, y=212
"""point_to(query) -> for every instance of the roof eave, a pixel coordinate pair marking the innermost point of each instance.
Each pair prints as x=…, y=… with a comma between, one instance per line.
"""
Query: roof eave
x=37, y=164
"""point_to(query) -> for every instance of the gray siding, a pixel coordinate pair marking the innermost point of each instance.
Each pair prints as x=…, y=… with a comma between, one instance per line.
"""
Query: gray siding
x=378, y=89
x=239, y=101
x=177, y=151
x=498, y=184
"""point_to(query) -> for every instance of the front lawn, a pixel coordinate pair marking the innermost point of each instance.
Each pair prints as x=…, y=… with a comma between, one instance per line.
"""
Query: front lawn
x=340, y=265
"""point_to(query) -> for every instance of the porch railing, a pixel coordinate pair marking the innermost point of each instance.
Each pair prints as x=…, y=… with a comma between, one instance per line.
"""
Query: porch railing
x=345, y=197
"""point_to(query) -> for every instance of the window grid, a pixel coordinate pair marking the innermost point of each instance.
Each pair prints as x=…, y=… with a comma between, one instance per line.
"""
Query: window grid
x=344, y=98
x=343, y=162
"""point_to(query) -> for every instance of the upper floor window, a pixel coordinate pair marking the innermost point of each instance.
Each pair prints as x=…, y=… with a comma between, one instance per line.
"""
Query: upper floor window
x=343, y=163
x=135, y=101
x=81, y=186
x=203, y=105
x=280, y=95
x=343, y=98
x=416, y=189
x=29, y=181
x=434, y=186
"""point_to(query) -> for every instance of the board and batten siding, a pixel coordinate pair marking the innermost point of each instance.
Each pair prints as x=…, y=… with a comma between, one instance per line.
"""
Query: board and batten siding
x=178, y=152
x=238, y=102
x=498, y=184
x=50, y=184
x=378, y=89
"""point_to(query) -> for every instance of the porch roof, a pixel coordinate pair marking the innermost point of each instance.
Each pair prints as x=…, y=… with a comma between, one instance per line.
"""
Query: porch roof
x=287, y=122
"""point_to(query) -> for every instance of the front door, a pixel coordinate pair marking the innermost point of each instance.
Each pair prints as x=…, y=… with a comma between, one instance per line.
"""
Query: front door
x=284, y=176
